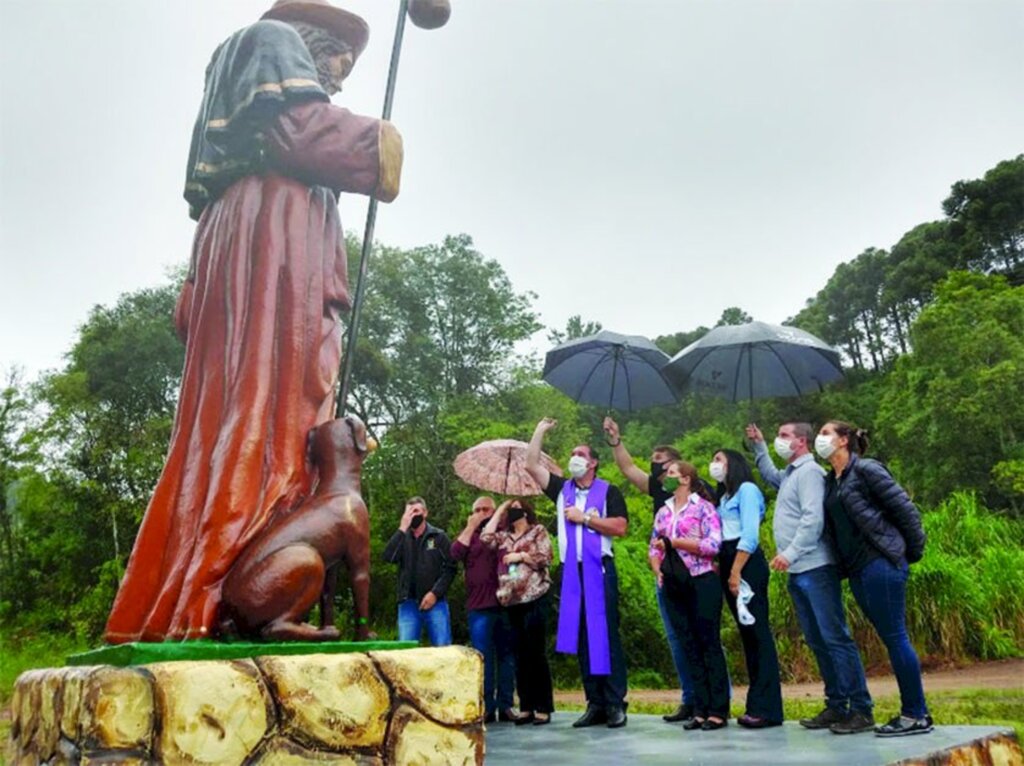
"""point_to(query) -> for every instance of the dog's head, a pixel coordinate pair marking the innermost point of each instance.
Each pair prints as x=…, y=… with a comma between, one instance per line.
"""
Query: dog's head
x=340, y=435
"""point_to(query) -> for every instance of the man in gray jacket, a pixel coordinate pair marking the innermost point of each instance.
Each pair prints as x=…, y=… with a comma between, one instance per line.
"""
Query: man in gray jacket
x=814, y=583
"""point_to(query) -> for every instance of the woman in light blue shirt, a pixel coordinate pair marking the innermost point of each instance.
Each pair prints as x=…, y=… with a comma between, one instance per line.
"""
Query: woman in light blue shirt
x=740, y=559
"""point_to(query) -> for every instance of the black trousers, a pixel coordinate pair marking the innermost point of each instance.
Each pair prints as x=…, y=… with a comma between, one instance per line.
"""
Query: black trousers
x=764, y=698
x=610, y=690
x=530, y=641
x=695, y=610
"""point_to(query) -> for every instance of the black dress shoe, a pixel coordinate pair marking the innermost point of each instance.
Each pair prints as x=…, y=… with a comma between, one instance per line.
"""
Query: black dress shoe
x=524, y=718
x=507, y=715
x=491, y=717
x=541, y=721
x=748, y=721
x=592, y=717
x=710, y=725
x=682, y=713
x=693, y=723
x=616, y=717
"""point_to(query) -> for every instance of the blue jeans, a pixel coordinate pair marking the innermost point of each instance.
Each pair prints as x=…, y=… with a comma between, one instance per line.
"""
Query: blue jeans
x=491, y=635
x=411, y=622
x=675, y=646
x=881, y=591
x=818, y=600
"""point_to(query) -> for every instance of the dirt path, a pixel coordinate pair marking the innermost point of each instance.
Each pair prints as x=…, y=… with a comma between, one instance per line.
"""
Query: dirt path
x=1004, y=674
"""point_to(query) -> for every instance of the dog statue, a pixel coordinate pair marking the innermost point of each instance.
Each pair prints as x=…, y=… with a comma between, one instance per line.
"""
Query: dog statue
x=281, y=574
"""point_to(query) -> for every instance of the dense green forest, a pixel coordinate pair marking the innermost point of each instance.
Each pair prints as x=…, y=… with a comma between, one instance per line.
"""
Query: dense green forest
x=931, y=330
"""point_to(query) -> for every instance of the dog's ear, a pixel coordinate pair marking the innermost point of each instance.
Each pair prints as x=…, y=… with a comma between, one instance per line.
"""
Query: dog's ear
x=358, y=432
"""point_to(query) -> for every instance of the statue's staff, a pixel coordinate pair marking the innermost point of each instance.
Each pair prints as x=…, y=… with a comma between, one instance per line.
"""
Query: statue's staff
x=426, y=14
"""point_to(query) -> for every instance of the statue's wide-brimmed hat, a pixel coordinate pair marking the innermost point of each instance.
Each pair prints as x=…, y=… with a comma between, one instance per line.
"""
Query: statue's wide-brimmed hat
x=344, y=25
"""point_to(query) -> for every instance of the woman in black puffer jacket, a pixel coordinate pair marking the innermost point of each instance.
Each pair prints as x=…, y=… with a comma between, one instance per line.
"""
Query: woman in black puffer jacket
x=876, y=530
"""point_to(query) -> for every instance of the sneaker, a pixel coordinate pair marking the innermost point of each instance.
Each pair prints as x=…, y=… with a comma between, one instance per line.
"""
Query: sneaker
x=854, y=723
x=903, y=726
x=824, y=719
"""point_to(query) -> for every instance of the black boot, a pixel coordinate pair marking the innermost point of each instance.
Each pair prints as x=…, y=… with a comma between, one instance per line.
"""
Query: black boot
x=682, y=713
x=616, y=715
x=594, y=716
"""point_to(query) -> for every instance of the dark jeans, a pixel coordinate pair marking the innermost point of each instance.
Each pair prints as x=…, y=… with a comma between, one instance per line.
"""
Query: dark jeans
x=696, y=612
x=675, y=647
x=764, y=698
x=530, y=639
x=818, y=601
x=881, y=591
x=490, y=632
x=610, y=690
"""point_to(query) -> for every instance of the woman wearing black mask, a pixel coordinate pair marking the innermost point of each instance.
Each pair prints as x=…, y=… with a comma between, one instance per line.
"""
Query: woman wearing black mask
x=523, y=582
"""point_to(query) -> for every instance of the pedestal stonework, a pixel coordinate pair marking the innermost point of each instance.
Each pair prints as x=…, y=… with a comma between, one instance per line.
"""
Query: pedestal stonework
x=414, y=706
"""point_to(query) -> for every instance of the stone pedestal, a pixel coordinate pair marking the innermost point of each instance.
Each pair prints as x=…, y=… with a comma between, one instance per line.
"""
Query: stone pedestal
x=414, y=706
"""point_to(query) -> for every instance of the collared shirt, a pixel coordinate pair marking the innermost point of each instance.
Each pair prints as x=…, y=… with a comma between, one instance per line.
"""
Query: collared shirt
x=481, y=570
x=696, y=520
x=614, y=507
x=742, y=515
x=799, y=522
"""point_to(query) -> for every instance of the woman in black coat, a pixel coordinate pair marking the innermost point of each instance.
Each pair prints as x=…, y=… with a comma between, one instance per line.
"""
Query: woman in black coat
x=876, y=530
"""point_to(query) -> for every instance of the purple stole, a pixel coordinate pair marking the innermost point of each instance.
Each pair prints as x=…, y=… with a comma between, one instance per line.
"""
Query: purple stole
x=592, y=585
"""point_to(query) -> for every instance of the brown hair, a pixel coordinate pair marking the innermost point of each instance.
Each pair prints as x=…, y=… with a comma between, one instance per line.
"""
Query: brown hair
x=856, y=438
x=696, y=483
x=417, y=500
x=668, y=449
x=527, y=506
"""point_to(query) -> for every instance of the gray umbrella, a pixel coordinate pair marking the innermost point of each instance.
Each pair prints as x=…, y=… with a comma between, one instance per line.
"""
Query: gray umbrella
x=755, y=361
x=620, y=372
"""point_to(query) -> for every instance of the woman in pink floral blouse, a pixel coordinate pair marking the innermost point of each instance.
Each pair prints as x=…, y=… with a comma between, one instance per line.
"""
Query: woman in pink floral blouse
x=524, y=556
x=690, y=526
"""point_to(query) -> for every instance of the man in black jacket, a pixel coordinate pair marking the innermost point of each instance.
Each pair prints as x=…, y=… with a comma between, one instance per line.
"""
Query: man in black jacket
x=425, y=570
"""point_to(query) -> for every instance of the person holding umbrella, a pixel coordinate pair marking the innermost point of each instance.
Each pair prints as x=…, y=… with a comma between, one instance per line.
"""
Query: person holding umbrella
x=489, y=628
x=524, y=555
x=591, y=512
x=813, y=583
x=740, y=560
x=877, y=530
x=650, y=484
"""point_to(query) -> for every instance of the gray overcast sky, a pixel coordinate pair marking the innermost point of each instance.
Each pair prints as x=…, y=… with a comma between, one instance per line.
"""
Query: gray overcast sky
x=610, y=154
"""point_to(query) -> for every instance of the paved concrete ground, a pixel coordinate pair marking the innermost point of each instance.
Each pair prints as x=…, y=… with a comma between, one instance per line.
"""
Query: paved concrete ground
x=648, y=740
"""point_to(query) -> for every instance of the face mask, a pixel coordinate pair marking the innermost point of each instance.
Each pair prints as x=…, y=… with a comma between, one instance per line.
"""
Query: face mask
x=783, y=448
x=823, y=446
x=514, y=514
x=671, y=483
x=577, y=466
x=717, y=471
x=416, y=521
x=657, y=469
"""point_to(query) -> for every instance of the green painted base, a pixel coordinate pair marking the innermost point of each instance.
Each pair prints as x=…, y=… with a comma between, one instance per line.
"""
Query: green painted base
x=141, y=653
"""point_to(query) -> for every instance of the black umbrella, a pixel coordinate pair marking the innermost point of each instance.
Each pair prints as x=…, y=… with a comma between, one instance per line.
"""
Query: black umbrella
x=611, y=370
x=755, y=361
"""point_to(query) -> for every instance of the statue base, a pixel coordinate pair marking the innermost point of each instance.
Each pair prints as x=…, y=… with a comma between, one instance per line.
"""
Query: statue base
x=367, y=707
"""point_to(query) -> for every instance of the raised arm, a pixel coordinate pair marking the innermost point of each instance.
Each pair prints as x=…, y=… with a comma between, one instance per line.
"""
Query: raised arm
x=623, y=459
x=765, y=466
x=540, y=474
x=489, y=534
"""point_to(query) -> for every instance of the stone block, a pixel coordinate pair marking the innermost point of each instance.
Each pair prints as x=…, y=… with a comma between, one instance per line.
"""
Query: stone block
x=445, y=683
x=284, y=752
x=117, y=709
x=415, y=740
x=331, y=701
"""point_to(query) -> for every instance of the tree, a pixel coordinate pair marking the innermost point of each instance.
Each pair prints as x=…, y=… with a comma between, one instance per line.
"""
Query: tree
x=952, y=411
x=439, y=322
x=574, y=328
x=734, y=316
x=987, y=215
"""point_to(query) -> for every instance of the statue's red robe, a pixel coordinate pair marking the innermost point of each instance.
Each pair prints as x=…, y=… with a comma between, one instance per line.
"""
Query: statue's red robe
x=260, y=318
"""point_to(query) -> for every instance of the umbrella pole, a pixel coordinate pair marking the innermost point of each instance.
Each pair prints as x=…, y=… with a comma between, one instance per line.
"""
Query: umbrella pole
x=615, y=370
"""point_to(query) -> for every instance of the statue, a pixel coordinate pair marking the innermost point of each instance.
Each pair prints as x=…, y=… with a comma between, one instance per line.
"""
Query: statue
x=259, y=315
x=289, y=567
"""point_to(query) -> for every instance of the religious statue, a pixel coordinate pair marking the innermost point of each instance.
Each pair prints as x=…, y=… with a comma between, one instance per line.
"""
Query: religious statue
x=259, y=315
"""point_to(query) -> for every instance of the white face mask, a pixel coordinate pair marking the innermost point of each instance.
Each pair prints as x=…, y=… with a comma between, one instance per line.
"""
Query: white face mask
x=783, y=448
x=578, y=466
x=717, y=471
x=823, y=446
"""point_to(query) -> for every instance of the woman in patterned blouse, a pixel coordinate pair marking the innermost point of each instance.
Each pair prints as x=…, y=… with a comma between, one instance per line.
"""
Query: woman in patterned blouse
x=524, y=549
x=689, y=524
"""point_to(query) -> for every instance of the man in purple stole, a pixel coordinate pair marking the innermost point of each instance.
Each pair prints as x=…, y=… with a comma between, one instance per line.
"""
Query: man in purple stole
x=590, y=513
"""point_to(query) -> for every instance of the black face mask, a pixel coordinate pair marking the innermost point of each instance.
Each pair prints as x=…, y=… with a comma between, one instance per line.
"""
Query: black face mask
x=514, y=514
x=657, y=469
x=416, y=521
